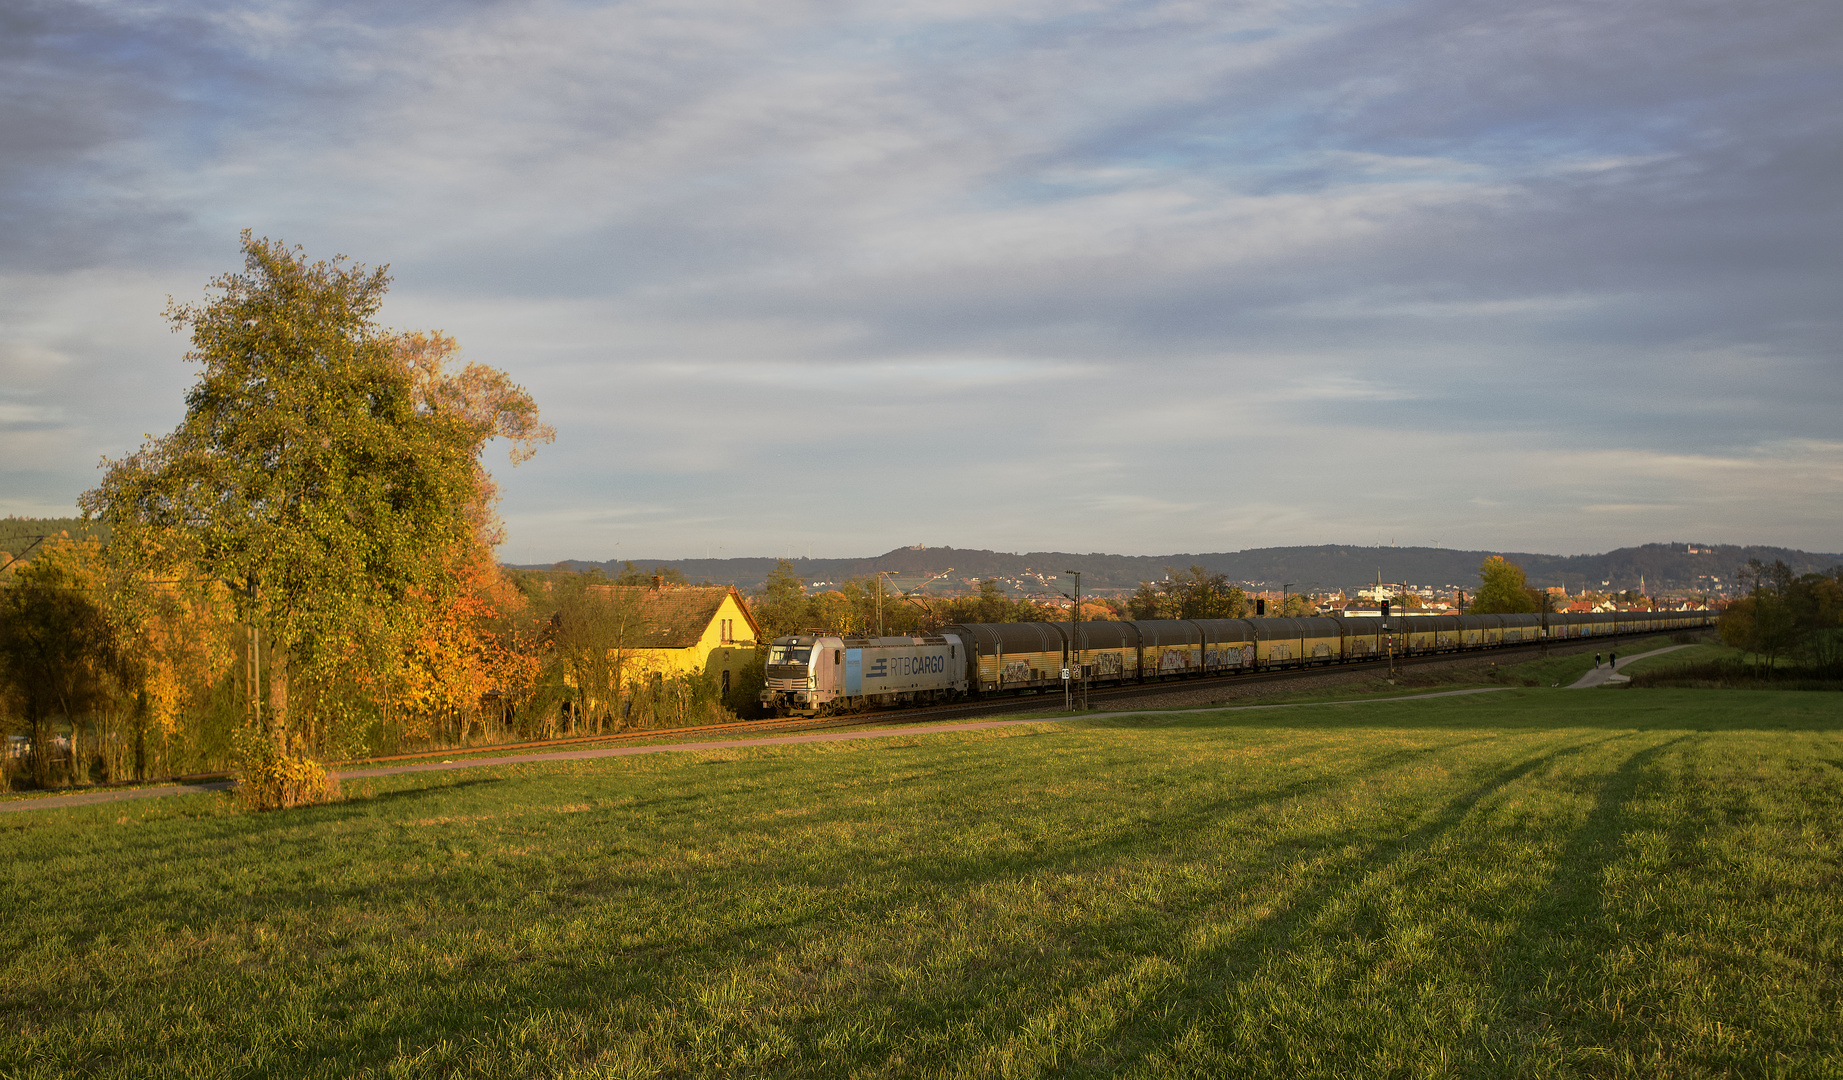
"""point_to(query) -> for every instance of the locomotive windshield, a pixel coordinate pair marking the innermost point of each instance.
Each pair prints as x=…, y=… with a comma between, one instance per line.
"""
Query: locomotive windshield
x=783, y=655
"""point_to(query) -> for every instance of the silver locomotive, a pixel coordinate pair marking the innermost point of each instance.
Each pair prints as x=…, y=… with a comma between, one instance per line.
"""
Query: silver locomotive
x=812, y=676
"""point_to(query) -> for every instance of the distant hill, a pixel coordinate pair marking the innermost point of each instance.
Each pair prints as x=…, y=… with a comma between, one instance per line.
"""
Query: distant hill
x=1668, y=567
x=1327, y=566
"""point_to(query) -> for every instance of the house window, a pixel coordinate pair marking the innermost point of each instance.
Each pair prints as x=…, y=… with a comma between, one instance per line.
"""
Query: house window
x=728, y=630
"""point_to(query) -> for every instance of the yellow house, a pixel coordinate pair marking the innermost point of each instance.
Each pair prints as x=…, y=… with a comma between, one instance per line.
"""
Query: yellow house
x=674, y=630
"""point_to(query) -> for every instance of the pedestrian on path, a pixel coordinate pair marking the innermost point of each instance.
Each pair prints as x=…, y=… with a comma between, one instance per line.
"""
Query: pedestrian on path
x=1596, y=661
x=1612, y=660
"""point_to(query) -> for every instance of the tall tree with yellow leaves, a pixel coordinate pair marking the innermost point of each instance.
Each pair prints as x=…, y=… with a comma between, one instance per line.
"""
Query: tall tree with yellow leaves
x=326, y=472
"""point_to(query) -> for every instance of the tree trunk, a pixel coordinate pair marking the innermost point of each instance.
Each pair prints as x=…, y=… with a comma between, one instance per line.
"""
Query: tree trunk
x=41, y=757
x=140, y=735
x=278, y=694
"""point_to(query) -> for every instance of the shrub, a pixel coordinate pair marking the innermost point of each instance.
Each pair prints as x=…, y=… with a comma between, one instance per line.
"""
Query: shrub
x=1731, y=674
x=270, y=777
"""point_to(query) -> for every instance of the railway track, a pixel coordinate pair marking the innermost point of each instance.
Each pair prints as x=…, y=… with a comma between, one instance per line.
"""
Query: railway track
x=1039, y=702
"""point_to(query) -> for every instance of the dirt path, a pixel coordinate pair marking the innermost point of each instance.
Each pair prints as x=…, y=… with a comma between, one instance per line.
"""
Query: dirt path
x=1600, y=676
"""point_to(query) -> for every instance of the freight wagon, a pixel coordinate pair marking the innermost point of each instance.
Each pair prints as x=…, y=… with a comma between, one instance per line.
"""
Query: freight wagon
x=812, y=676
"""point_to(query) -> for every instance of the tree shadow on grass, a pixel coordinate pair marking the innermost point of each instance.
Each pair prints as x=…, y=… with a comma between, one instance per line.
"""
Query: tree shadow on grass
x=1546, y=709
x=1566, y=928
x=661, y=970
x=585, y=981
x=1216, y=973
x=357, y=800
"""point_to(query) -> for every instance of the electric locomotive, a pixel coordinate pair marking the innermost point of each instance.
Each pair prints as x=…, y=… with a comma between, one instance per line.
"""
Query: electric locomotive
x=812, y=676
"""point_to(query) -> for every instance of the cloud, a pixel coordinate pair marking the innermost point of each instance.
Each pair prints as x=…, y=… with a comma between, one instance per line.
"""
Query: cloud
x=1155, y=276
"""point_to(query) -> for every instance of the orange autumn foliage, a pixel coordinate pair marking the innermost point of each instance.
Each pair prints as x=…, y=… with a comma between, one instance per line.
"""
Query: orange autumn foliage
x=465, y=647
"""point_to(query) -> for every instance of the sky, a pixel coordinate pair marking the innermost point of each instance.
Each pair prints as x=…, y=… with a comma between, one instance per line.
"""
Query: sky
x=829, y=278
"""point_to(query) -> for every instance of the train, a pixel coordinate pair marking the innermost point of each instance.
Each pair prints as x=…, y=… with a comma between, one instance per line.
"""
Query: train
x=818, y=674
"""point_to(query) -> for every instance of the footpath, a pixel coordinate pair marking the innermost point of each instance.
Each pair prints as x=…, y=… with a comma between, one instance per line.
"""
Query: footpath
x=91, y=798
x=1600, y=676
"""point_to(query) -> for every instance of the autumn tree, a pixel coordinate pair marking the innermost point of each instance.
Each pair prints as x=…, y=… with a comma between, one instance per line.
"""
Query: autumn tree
x=1296, y=606
x=183, y=630
x=60, y=656
x=1819, y=606
x=1786, y=613
x=664, y=575
x=466, y=647
x=991, y=605
x=858, y=606
x=781, y=607
x=464, y=641
x=327, y=471
x=1189, y=594
x=1503, y=589
x=588, y=636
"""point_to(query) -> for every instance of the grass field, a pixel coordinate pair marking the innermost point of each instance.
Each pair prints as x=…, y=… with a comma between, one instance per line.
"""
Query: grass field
x=1564, y=669
x=1525, y=883
x=1695, y=654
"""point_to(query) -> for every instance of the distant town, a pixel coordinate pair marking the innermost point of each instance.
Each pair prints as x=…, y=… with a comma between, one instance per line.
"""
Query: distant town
x=1048, y=590
x=1347, y=579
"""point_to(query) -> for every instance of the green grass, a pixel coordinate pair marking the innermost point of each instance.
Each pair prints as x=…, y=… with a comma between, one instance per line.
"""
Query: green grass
x=1550, y=670
x=1527, y=883
x=1694, y=654
x=1711, y=652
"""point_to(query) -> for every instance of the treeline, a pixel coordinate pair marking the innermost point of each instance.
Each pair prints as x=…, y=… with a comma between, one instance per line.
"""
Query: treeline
x=105, y=680
x=862, y=607
x=1198, y=594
